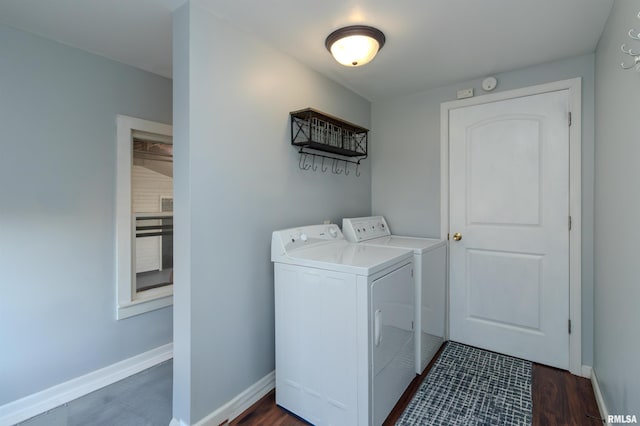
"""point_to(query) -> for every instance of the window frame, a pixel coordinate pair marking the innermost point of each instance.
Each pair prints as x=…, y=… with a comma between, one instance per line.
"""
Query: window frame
x=129, y=302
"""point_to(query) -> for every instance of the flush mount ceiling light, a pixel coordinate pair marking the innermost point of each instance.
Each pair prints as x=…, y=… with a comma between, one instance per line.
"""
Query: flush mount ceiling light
x=355, y=45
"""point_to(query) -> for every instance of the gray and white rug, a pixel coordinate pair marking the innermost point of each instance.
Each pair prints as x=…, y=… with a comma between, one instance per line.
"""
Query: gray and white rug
x=470, y=386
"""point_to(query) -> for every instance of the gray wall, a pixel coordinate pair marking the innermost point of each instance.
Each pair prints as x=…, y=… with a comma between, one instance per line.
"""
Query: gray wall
x=237, y=180
x=57, y=218
x=405, y=161
x=617, y=231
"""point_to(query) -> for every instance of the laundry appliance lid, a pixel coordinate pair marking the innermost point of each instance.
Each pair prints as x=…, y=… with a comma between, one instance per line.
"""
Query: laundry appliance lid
x=417, y=244
x=341, y=256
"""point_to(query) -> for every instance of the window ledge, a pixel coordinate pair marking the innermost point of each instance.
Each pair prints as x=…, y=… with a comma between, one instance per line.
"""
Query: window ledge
x=145, y=304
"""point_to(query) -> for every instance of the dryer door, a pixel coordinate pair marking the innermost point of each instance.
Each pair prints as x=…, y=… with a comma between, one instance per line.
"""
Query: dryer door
x=392, y=339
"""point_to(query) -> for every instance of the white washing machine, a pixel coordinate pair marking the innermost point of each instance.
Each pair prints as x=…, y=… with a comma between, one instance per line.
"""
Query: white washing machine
x=343, y=317
x=430, y=256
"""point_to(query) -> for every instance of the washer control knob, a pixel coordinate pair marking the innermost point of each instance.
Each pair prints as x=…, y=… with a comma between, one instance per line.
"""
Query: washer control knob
x=333, y=232
x=304, y=237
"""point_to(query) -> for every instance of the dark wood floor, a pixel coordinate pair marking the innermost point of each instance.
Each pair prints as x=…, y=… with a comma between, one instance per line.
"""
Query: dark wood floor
x=559, y=398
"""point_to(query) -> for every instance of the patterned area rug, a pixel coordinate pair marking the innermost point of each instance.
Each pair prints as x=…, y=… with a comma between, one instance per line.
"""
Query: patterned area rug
x=470, y=386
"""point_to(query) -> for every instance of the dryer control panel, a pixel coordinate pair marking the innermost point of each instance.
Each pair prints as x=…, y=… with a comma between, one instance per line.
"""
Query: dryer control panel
x=358, y=229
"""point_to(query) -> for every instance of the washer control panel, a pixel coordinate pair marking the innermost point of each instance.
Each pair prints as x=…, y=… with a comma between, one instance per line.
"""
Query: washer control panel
x=304, y=236
x=357, y=229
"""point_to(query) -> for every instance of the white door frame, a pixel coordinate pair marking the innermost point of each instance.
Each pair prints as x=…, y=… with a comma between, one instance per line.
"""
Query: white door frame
x=574, y=86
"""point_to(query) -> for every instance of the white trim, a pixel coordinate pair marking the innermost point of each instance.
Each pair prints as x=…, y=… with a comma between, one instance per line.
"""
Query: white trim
x=239, y=403
x=160, y=199
x=574, y=86
x=587, y=371
x=575, y=236
x=129, y=302
x=137, y=307
x=40, y=402
x=604, y=412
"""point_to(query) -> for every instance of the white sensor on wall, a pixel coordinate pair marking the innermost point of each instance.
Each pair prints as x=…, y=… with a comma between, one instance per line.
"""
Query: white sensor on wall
x=489, y=83
x=465, y=93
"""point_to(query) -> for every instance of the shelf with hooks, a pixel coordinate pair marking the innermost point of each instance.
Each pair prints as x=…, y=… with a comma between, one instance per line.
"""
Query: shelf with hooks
x=323, y=136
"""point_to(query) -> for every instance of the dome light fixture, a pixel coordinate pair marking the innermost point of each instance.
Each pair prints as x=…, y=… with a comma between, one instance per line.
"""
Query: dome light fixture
x=355, y=45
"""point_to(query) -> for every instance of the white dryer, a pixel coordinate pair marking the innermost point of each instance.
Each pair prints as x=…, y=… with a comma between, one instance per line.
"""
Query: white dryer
x=343, y=317
x=430, y=256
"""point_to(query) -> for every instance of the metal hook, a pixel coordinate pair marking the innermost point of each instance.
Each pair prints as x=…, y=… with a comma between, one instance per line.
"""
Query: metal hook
x=628, y=51
x=636, y=59
x=315, y=166
x=635, y=37
x=358, y=169
x=346, y=168
x=336, y=167
x=305, y=166
x=324, y=169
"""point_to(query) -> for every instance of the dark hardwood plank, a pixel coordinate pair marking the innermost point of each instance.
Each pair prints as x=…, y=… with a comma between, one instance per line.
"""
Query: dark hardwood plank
x=559, y=398
x=266, y=412
x=588, y=398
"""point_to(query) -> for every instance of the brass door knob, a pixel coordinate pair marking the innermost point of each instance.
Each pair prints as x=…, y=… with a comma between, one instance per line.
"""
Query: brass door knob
x=457, y=236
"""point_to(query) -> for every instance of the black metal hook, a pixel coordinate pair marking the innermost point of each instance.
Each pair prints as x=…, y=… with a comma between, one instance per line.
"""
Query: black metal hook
x=304, y=163
x=337, y=169
x=305, y=166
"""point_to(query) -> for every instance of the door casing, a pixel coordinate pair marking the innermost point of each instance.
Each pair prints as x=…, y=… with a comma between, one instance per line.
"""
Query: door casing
x=575, y=193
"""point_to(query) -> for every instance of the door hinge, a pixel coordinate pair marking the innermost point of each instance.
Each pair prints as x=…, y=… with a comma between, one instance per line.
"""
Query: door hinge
x=412, y=272
x=447, y=237
x=569, y=223
x=569, y=326
x=412, y=325
x=570, y=119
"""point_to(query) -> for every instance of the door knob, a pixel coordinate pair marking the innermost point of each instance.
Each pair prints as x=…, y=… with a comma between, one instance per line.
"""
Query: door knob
x=457, y=236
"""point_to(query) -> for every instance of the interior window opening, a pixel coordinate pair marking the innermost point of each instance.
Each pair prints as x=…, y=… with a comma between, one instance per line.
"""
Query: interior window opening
x=152, y=208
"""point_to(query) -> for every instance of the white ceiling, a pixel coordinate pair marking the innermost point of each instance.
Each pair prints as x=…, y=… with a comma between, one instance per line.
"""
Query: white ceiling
x=430, y=43
x=135, y=32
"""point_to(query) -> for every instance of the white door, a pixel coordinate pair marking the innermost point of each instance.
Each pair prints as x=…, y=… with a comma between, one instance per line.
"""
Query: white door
x=392, y=339
x=509, y=201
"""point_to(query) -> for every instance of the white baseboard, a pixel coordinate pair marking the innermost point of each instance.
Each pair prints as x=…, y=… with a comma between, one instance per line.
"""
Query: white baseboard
x=241, y=402
x=604, y=412
x=176, y=422
x=40, y=402
x=586, y=371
